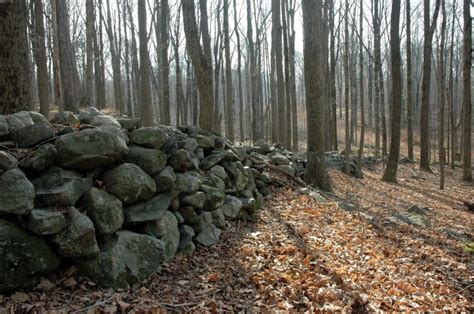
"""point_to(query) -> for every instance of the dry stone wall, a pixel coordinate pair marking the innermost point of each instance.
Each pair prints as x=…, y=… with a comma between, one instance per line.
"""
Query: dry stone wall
x=117, y=200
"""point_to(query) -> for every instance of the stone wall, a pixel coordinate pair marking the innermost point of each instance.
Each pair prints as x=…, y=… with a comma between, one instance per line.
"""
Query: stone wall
x=117, y=200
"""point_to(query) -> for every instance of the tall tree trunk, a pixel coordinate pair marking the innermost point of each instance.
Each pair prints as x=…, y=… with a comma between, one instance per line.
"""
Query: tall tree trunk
x=100, y=98
x=239, y=75
x=69, y=76
x=332, y=77
x=90, y=21
x=377, y=65
x=284, y=9
x=429, y=28
x=409, y=84
x=115, y=56
x=201, y=64
x=276, y=43
x=361, y=83
x=315, y=68
x=146, y=114
x=165, y=68
x=229, y=125
x=15, y=74
x=390, y=173
x=466, y=99
x=347, y=89
x=40, y=57
x=442, y=98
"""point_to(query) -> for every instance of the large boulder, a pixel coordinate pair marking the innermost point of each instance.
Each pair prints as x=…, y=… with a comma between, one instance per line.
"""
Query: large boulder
x=208, y=234
x=18, y=121
x=149, y=137
x=166, y=229
x=165, y=179
x=65, y=118
x=195, y=200
x=188, y=182
x=3, y=127
x=104, y=120
x=59, y=187
x=42, y=158
x=32, y=134
x=147, y=211
x=189, y=215
x=78, y=239
x=7, y=161
x=181, y=161
x=150, y=160
x=89, y=149
x=104, y=209
x=23, y=258
x=231, y=207
x=127, y=258
x=129, y=124
x=129, y=183
x=17, y=194
x=46, y=221
x=214, y=197
x=186, y=244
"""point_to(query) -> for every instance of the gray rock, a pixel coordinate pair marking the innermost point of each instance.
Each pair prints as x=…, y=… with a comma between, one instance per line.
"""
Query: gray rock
x=179, y=217
x=104, y=120
x=126, y=259
x=218, y=218
x=189, y=215
x=104, y=209
x=165, y=179
x=219, y=171
x=190, y=144
x=151, y=161
x=32, y=134
x=188, y=182
x=336, y=160
x=186, y=244
x=38, y=117
x=195, y=200
x=65, y=118
x=3, y=127
x=237, y=175
x=231, y=207
x=16, y=193
x=149, y=137
x=208, y=234
x=42, y=158
x=166, y=229
x=181, y=161
x=7, y=161
x=129, y=183
x=23, y=258
x=214, y=197
x=411, y=218
x=216, y=158
x=58, y=187
x=117, y=131
x=204, y=142
x=147, y=211
x=278, y=159
x=287, y=169
x=18, y=121
x=129, y=124
x=89, y=149
x=214, y=181
x=46, y=222
x=78, y=239
x=86, y=116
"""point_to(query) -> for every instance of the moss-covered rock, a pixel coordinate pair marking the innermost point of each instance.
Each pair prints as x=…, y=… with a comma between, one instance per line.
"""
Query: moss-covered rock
x=17, y=194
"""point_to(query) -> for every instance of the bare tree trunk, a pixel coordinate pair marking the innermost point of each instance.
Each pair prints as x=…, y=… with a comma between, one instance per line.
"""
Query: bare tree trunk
x=284, y=9
x=315, y=70
x=146, y=114
x=165, y=68
x=15, y=73
x=332, y=77
x=347, y=89
x=239, y=75
x=442, y=98
x=90, y=21
x=409, y=84
x=466, y=99
x=100, y=99
x=229, y=125
x=361, y=83
x=377, y=65
x=390, y=173
x=429, y=28
x=200, y=60
x=40, y=56
x=276, y=43
x=115, y=56
x=69, y=76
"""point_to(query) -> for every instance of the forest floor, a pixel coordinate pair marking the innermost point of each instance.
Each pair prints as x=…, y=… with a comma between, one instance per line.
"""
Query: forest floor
x=304, y=255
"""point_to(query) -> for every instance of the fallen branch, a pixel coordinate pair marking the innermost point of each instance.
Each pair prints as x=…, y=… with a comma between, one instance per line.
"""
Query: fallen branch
x=97, y=304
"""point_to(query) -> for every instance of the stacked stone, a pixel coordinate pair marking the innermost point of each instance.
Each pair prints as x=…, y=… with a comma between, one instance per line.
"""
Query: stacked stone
x=114, y=199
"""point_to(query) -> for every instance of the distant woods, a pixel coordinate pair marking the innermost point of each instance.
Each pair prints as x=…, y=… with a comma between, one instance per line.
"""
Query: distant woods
x=397, y=73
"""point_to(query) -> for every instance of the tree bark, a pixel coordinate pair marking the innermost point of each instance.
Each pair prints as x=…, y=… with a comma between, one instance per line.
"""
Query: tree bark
x=146, y=114
x=409, y=84
x=466, y=99
x=315, y=72
x=429, y=28
x=89, y=84
x=229, y=125
x=390, y=173
x=201, y=64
